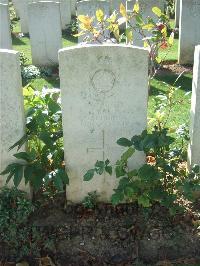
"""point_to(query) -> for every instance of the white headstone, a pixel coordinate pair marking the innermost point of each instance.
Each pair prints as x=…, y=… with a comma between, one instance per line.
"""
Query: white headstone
x=12, y=122
x=45, y=32
x=4, y=2
x=177, y=13
x=5, y=33
x=103, y=98
x=65, y=11
x=22, y=7
x=16, y=7
x=146, y=11
x=194, y=146
x=73, y=7
x=89, y=8
x=189, y=33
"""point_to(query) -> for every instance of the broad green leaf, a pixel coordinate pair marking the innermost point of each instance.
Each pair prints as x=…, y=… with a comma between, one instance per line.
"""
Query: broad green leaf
x=19, y=143
x=9, y=168
x=139, y=19
x=148, y=172
x=117, y=198
x=126, y=155
x=18, y=175
x=108, y=169
x=196, y=168
x=24, y=156
x=119, y=170
x=63, y=175
x=132, y=173
x=124, y=142
x=53, y=106
x=58, y=183
x=144, y=201
x=89, y=175
x=129, y=191
x=46, y=138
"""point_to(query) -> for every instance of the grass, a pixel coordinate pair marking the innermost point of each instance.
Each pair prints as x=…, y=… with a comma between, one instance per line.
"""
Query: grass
x=181, y=110
x=159, y=84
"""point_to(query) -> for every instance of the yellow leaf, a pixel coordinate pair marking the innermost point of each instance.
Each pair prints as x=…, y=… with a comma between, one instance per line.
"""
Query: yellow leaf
x=158, y=60
x=79, y=34
x=116, y=32
x=171, y=39
x=100, y=15
x=112, y=18
x=86, y=21
x=164, y=31
x=157, y=11
x=129, y=35
x=123, y=10
x=146, y=44
x=148, y=27
x=136, y=8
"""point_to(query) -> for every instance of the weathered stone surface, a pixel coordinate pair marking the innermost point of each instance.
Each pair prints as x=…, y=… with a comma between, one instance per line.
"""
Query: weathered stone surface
x=89, y=7
x=4, y=2
x=45, y=32
x=103, y=98
x=189, y=33
x=22, y=7
x=12, y=121
x=146, y=10
x=73, y=7
x=65, y=11
x=194, y=146
x=5, y=33
x=177, y=13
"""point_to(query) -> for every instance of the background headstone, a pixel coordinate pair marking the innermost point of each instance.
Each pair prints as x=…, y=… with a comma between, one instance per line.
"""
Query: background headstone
x=189, y=33
x=22, y=7
x=16, y=7
x=65, y=11
x=5, y=32
x=12, y=122
x=109, y=101
x=89, y=7
x=146, y=10
x=194, y=146
x=45, y=32
x=177, y=13
x=73, y=7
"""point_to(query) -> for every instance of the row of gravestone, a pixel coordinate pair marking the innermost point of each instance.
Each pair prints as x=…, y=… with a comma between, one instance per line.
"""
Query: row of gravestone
x=187, y=18
x=102, y=100
x=45, y=25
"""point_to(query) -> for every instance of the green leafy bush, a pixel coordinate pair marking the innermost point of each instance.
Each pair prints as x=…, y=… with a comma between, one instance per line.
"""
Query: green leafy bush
x=153, y=32
x=17, y=233
x=42, y=165
x=162, y=179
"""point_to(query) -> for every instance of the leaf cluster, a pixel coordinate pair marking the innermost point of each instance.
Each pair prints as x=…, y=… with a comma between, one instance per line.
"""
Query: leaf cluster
x=42, y=164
